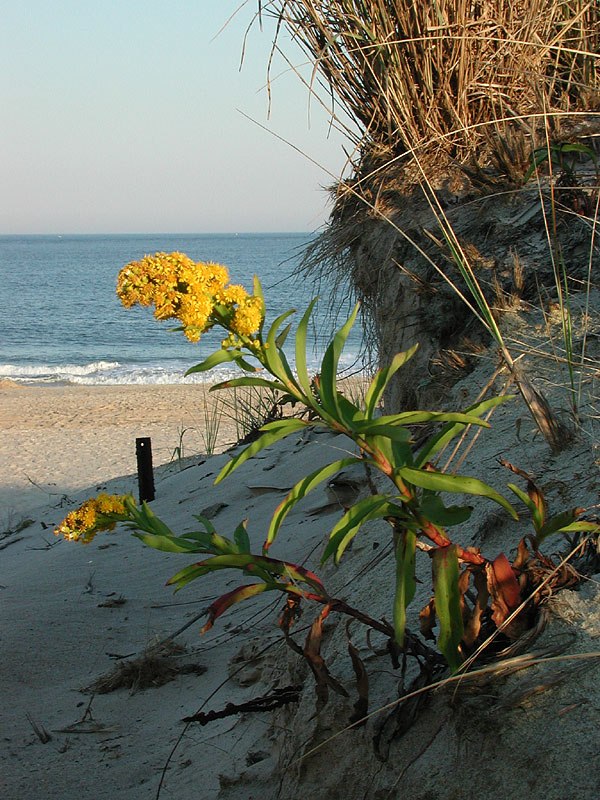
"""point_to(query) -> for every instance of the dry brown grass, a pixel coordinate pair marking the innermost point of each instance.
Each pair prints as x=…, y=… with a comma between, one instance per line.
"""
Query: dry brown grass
x=422, y=74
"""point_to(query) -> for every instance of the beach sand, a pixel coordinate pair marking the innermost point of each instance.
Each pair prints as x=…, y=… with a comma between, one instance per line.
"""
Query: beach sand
x=73, y=613
x=55, y=440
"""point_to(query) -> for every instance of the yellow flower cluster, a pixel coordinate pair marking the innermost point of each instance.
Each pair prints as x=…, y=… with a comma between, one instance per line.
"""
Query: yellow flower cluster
x=83, y=524
x=247, y=317
x=187, y=290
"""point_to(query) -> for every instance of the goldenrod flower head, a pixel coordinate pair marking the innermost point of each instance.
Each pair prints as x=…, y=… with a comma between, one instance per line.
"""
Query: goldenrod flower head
x=231, y=295
x=82, y=524
x=181, y=288
x=248, y=317
x=194, y=312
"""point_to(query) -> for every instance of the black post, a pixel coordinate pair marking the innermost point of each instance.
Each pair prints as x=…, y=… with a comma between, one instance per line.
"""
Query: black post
x=143, y=451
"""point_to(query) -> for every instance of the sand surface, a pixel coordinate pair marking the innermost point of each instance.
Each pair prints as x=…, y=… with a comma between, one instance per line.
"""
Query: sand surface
x=55, y=440
x=73, y=613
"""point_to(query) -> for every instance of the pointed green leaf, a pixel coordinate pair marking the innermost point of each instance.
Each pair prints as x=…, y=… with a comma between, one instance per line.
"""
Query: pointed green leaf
x=221, y=544
x=406, y=584
x=240, y=537
x=245, y=365
x=558, y=524
x=328, y=388
x=539, y=155
x=262, y=565
x=218, y=357
x=301, y=369
x=280, y=340
x=458, y=484
x=434, y=509
x=168, y=544
x=381, y=427
x=447, y=603
x=349, y=413
x=524, y=497
x=231, y=598
x=448, y=432
x=412, y=417
x=373, y=507
x=203, y=541
x=300, y=490
x=262, y=382
x=187, y=575
x=210, y=528
x=382, y=378
x=258, y=292
x=273, y=433
x=272, y=354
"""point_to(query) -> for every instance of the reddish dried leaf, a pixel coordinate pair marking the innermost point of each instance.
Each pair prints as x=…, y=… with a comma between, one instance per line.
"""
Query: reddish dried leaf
x=427, y=620
x=503, y=587
x=522, y=557
x=473, y=626
x=224, y=602
x=361, y=707
x=290, y=612
x=315, y=660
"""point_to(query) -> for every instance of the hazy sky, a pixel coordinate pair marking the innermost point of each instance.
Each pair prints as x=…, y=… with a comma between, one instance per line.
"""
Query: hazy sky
x=124, y=116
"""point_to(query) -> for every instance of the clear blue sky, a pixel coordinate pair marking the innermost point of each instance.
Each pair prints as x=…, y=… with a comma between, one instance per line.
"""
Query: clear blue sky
x=124, y=116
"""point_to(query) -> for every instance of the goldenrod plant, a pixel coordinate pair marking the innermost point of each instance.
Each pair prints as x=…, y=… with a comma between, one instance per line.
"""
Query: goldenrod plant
x=414, y=506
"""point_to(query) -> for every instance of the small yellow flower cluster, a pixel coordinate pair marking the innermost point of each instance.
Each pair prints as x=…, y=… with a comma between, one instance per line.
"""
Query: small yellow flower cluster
x=247, y=317
x=83, y=524
x=187, y=290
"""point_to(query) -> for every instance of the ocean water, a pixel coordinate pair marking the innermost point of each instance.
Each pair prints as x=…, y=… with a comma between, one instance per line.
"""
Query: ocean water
x=63, y=323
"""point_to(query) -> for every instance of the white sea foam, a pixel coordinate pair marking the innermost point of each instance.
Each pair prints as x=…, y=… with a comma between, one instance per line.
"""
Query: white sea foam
x=106, y=373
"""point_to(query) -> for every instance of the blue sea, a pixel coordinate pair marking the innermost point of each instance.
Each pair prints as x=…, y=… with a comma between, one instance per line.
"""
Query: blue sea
x=63, y=323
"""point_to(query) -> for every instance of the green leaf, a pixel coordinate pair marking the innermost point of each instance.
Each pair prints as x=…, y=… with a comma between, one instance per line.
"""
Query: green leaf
x=590, y=527
x=258, y=292
x=349, y=413
x=280, y=340
x=373, y=507
x=458, y=484
x=539, y=155
x=300, y=490
x=210, y=528
x=402, y=454
x=187, y=575
x=245, y=365
x=261, y=564
x=447, y=603
x=273, y=433
x=272, y=354
x=147, y=520
x=448, y=432
x=240, y=537
x=218, y=357
x=301, y=369
x=231, y=598
x=406, y=584
x=221, y=544
x=202, y=539
x=382, y=378
x=263, y=382
x=168, y=544
x=434, y=509
x=328, y=388
x=528, y=502
x=560, y=523
x=412, y=417
x=381, y=427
